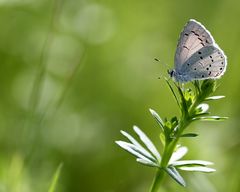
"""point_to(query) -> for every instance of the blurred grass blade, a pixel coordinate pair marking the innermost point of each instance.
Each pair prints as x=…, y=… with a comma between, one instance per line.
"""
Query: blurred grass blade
x=55, y=179
x=175, y=175
x=198, y=169
x=157, y=118
x=189, y=135
x=214, y=97
x=210, y=118
x=191, y=162
x=147, y=162
x=178, y=154
x=137, y=144
x=134, y=150
x=147, y=142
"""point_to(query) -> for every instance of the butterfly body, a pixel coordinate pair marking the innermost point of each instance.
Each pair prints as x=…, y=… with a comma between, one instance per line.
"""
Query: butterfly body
x=197, y=56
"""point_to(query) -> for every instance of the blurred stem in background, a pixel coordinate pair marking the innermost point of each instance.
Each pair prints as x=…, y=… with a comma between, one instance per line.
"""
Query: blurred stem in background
x=33, y=123
x=34, y=119
x=41, y=70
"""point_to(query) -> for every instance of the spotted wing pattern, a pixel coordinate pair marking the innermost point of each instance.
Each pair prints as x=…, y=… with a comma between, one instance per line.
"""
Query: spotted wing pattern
x=207, y=63
x=193, y=38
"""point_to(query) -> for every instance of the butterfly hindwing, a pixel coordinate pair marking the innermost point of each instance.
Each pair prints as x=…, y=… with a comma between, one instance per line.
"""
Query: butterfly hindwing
x=193, y=38
x=207, y=63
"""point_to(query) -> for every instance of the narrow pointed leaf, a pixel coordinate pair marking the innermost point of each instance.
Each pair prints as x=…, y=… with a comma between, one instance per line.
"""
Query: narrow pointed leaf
x=55, y=179
x=191, y=162
x=175, y=175
x=134, y=150
x=184, y=105
x=137, y=144
x=178, y=154
x=147, y=162
x=198, y=169
x=157, y=118
x=215, y=97
x=189, y=135
x=174, y=94
x=210, y=118
x=162, y=138
x=147, y=142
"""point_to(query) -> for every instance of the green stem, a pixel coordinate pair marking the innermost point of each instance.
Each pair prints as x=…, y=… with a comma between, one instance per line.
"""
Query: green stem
x=170, y=146
x=157, y=180
x=187, y=113
x=168, y=151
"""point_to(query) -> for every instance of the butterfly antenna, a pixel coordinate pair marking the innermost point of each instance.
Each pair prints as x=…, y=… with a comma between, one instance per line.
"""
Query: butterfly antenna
x=165, y=66
x=163, y=63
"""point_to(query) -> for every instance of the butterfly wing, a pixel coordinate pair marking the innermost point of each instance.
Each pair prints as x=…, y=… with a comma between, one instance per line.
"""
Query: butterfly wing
x=207, y=63
x=193, y=38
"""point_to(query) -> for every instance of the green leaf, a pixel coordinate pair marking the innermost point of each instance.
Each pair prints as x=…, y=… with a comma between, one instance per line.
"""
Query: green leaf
x=210, y=118
x=183, y=106
x=197, y=86
x=162, y=138
x=174, y=94
x=191, y=163
x=189, y=102
x=178, y=154
x=147, y=162
x=198, y=169
x=137, y=144
x=174, y=121
x=157, y=118
x=134, y=150
x=147, y=142
x=214, y=98
x=175, y=175
x=189, y=135
x=208, y=86
x=55, y=179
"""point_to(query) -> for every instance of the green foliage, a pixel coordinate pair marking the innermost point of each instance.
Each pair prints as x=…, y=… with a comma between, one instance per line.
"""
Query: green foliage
x=190, y=102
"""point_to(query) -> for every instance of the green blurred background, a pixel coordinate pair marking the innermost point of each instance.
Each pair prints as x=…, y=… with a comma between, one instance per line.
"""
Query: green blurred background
x=74, y=73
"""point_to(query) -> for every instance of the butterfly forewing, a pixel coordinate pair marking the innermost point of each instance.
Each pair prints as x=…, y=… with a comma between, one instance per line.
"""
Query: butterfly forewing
x=193, y=38
x=207, y=63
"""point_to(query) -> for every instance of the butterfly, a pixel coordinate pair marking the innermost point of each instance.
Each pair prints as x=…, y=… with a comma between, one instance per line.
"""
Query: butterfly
x=197, y=55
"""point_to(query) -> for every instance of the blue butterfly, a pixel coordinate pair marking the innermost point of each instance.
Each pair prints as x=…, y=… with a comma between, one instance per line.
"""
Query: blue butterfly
x=197, y=56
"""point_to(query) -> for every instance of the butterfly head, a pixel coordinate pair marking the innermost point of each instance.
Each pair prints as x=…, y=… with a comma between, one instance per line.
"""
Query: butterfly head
x=176, y=76
x=172, y=73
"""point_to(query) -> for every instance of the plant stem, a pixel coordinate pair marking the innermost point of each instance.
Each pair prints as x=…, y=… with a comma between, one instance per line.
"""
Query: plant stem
x=168, y=151
x=157, y=180
x=171, y=145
